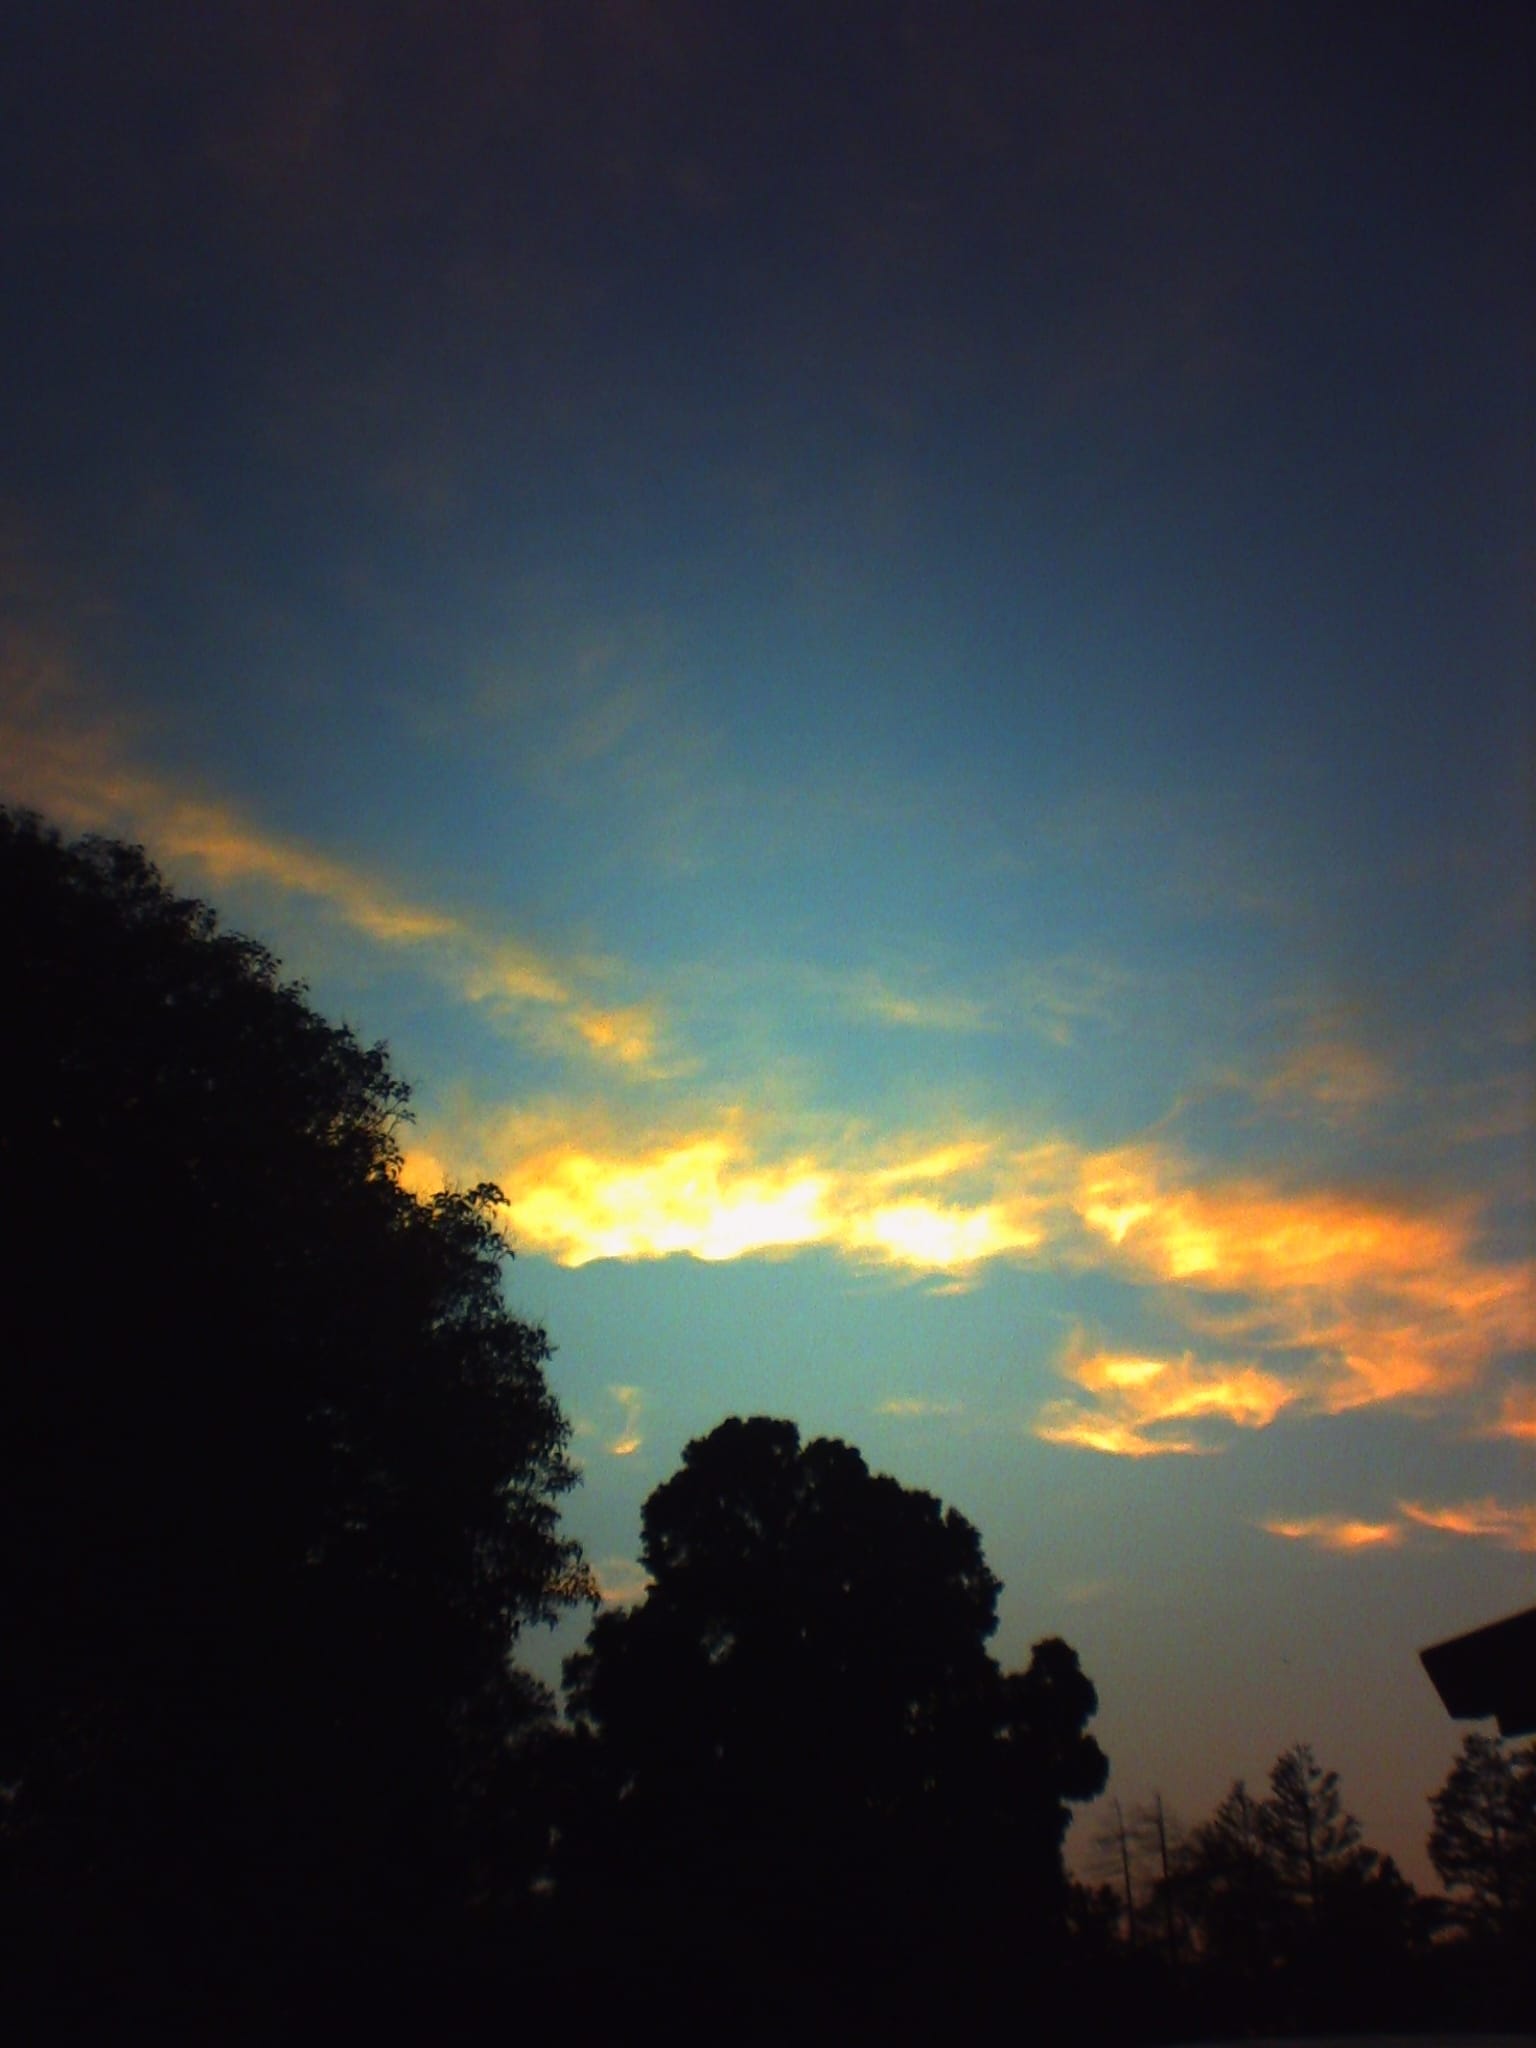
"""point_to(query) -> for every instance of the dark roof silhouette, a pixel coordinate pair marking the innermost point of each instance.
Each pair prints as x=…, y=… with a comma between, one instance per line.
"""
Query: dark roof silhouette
x=1490, y=1670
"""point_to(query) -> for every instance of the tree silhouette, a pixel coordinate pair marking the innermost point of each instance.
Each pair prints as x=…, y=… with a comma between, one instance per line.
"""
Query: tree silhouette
x=800, y=1727
x=1296, y=1921
x=1311, y=1841
x=278, y=1470
x=1483, y=1841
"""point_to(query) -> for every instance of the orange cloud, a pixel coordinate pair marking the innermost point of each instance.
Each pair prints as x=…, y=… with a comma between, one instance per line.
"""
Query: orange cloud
x=1314, y=1299
x=1141, y=1405
x=80, y=772
x=1337, y=1532
x=1517, y=1415
x=1386, y=1301
x=1512, y=1526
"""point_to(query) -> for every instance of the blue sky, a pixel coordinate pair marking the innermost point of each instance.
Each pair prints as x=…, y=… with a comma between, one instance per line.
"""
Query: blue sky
x=891, y=646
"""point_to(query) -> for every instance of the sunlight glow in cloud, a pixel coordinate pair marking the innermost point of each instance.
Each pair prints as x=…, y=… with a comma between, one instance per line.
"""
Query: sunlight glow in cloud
x=1315, y=1299
x=1141, y=1406
x=710, y=1194
x=1512, y=1526
x=1517, y=1416
x=1337, y=1532
x=81, y=773
x=1307, y=1296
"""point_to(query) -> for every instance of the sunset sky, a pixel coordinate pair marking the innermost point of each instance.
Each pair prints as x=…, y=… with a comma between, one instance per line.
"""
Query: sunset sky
x=891, y=644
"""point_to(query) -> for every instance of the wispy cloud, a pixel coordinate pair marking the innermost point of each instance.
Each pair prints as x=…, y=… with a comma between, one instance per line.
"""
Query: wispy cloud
x=1144, y=1407
x=1512, y=1525
x=81, y=772
x=913, y=1408
x=1314, y=1299
x=621, y=1581
x=628, y=1439
x=1336, y=1532
x=1330, y=1076
x=1378, y=1298
x=1517, y=1415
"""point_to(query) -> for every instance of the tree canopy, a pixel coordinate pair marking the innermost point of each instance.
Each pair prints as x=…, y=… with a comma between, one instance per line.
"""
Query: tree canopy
x=1483, y=1840
x=802, y=1717
x=279, y=1470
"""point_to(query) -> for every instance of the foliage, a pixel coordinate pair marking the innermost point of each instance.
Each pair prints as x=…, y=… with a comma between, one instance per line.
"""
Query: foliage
x=801, y=1724
x=1483, y=1840
x=1310, y=1841
x=278, y=1470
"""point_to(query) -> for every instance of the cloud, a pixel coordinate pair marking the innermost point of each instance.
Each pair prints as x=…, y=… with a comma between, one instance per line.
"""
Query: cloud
x=912, y=1408
x=716, y=1192
x=920, y=1011
x=627, y=1035
x=1332, y=1078
x=1306, y=1299
x=1517, y=1415
x=1337, y=1532
x=1386, y=1299
x=1144, y=1407
x=629, y=1439
x=621, y=1581
x=1512, y=1526
x=80, y=772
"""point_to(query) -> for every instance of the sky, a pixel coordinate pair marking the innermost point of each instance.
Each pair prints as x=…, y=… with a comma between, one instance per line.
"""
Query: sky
x=891, y=645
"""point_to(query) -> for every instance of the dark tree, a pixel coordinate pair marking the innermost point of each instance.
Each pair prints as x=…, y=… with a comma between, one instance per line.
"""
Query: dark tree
x=802, y=1728
x=1483, y=1841
x=1295, y=1921
x=278, y=1470
x=1313, y=1844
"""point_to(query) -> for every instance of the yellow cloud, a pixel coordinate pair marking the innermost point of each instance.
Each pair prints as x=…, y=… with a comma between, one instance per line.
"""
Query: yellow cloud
x=713, y=1194
x=912, y=1408
x=1513, y=1526
x=1317, y=1299
x=1136, y=1399
x=1337, y=1532
x=80, y=773
x=627, y=1036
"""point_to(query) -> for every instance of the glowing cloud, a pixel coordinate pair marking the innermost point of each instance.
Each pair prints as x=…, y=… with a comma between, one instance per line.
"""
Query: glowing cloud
x=1337, y=1532
x=1138, y=1401
x=1517, y=1415
x=1386, y=1302
x=713, y=1195
x=629, y=1440
x=81, y=772
x=1313, y=1299
x=1512, y=1526
x=621, y=1582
